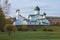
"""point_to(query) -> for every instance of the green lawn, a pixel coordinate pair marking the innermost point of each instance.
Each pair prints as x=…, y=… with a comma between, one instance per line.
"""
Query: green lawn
x=30, y=35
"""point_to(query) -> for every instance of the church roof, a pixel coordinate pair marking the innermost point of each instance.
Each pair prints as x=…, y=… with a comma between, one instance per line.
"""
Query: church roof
x=32, y=15
x=22, y=16
x=33, y=20
x=52, y=17
x=44, y=13
x=17, y=10
x=37, y=8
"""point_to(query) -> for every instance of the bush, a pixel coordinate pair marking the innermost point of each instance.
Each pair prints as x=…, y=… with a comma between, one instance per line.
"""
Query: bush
x=19, y=29
x=24, y=28
x=48, y=28
x=10, y=27
x=45, y=29
x=34, y=29
x=2, y=19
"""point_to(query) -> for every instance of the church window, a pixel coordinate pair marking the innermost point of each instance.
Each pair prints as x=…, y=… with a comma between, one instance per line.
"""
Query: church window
x=39, y=23
x=30, y=22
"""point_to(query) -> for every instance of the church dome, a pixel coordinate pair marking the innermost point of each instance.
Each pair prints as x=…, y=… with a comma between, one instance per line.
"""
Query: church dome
x=17, y=10
x=37, y=8
x=44, y=13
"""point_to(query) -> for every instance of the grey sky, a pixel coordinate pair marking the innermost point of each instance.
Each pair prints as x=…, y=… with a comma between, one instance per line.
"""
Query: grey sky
x=51, y=7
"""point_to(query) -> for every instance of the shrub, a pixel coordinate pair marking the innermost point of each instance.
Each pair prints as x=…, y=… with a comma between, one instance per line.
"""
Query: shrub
x=19, y=29
x=45, y=29
x=49, y=29
x=2, y=19
x=24, y=28
x=10, y=27
x=34, y=29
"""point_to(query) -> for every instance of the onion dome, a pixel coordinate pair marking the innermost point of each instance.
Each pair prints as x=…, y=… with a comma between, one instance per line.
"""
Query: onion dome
x=44, y=13
x=37, y=8
x=17, y=10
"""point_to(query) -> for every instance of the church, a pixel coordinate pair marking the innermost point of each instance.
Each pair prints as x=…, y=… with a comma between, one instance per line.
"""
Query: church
x=33, y=19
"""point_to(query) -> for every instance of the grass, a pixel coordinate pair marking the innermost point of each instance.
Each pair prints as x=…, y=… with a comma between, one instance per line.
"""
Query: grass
x=30, y=35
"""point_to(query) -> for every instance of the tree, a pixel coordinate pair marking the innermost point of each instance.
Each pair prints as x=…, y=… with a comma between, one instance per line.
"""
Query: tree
x=57, y=23
x=2, y=19
x=9, y=21
x=10, y=27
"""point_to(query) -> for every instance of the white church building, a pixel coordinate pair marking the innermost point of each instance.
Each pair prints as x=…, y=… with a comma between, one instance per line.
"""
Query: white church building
x=33, y=19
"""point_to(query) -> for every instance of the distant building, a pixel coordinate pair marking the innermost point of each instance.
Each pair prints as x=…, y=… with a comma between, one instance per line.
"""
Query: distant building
x=54, y=21
x=33, y=19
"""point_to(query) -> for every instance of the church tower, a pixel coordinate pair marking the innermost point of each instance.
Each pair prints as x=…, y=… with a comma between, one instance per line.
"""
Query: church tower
x=17, y=13
x=36, y=10
x=44, y=15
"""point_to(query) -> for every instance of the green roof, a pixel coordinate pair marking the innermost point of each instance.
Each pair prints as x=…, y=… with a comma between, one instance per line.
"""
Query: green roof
x=37, y=8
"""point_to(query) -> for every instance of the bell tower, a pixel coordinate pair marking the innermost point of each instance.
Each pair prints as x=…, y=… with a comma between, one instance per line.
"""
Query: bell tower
x=36, y=10
x=17, y=13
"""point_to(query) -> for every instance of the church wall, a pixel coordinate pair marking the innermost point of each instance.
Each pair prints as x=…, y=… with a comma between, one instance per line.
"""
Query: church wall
x=19, y=21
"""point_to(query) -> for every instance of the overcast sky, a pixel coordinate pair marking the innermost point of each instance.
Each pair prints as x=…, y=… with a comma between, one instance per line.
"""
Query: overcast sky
x=51, y=7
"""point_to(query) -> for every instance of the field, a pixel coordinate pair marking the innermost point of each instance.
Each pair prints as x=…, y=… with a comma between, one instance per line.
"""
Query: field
x=30, y=35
